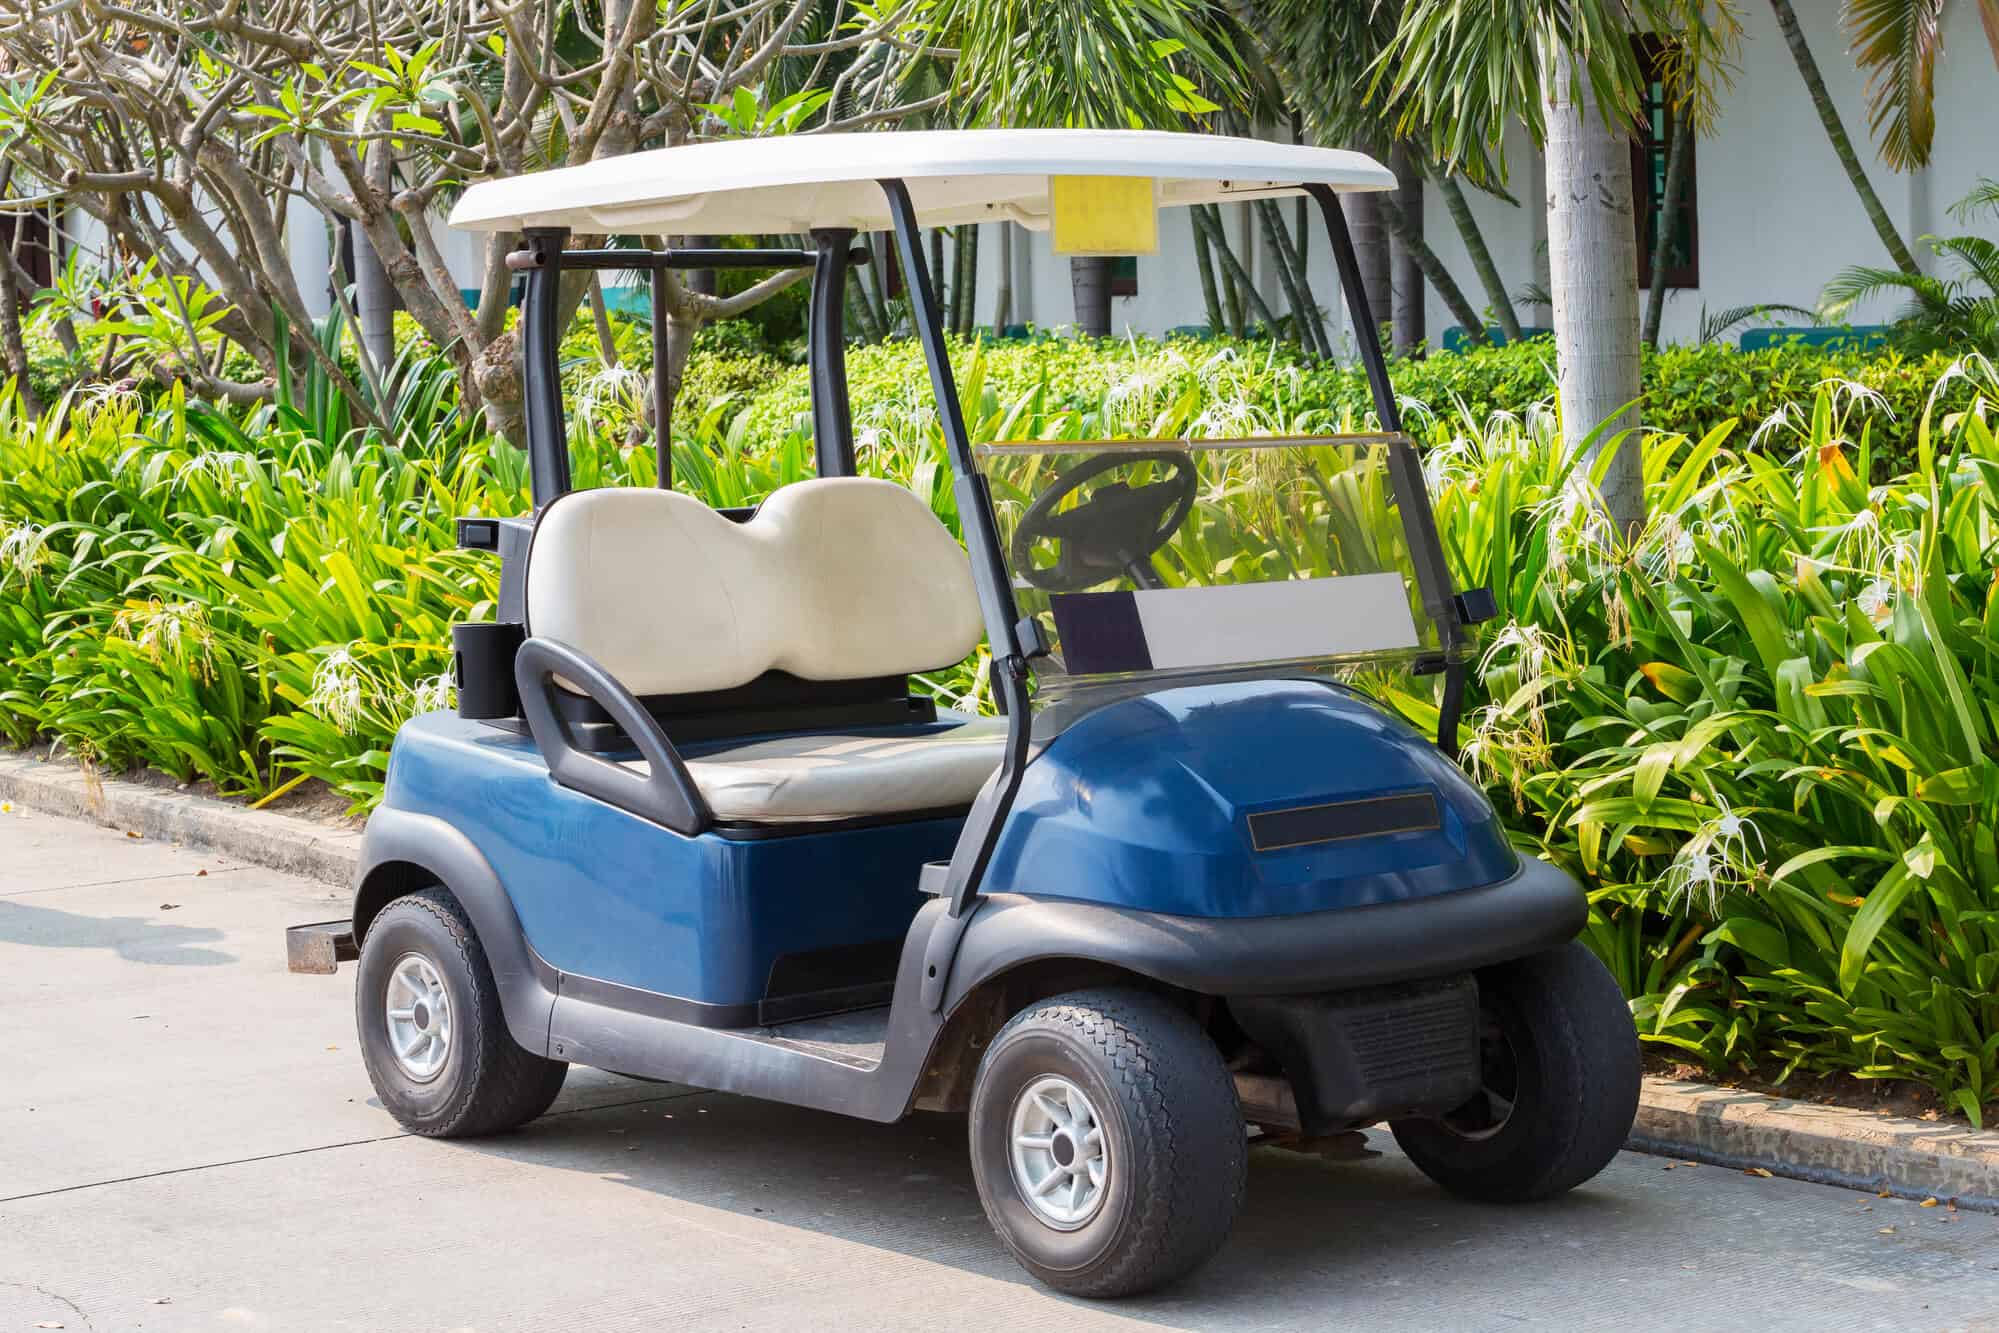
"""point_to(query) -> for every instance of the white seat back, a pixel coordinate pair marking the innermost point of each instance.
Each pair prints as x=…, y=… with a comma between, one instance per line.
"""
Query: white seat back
x=838, y=578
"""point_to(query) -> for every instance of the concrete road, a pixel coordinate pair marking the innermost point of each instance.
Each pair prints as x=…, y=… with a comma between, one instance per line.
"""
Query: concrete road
x=187, y=1141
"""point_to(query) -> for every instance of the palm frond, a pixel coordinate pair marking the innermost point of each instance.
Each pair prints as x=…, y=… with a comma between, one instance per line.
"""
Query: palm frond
x=1896, y=43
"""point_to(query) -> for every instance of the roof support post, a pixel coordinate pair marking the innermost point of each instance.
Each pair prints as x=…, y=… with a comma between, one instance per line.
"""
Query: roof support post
x=540, y=364
x=662, y=396
x=832, y=415
x=1002, y=616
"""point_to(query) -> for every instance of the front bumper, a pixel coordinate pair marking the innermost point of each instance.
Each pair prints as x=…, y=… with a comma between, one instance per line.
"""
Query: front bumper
x=1536, y=908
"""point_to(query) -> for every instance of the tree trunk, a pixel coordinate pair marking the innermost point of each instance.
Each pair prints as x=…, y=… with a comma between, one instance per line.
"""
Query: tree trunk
x=701, y=280
x=939, y=279
x=13, y=348
x=1211, y=297
x=1808, y=69
x=1433, y=268
x=1003, y=281
x=1215, y=244
x=1232, y=268
x=1593, y=262
x=965, y=267
x=374, y=306
x=1467, y=226
x=1405, y=273
x=1297, y=284
x=1662, y=226
x=1090, y=285
x=1368, y=226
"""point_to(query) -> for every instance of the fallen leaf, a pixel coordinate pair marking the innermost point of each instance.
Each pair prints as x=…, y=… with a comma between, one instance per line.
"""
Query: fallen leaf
x=201, y=874
x=1882, y=1194
x=49, y=1323
x=1689, y=1163
x=159, y=1300
x=131, y=834
x=1930, y=1202
x=168, y=907
x=1757, y=1171
x=1887, y=1231
x=333, y=1048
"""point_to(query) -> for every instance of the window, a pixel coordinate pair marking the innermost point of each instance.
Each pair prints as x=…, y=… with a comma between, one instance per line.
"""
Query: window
x=1651, y=150
x=1124, y=275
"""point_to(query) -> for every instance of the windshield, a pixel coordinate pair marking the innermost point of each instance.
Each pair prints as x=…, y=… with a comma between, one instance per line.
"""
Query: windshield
x=1144, y=559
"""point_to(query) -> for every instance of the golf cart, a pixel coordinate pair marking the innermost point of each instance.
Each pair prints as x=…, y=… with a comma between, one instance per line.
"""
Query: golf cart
x=690, y=822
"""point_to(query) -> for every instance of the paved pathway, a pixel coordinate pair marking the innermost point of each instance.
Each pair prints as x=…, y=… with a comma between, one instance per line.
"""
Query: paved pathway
x=187, y=1141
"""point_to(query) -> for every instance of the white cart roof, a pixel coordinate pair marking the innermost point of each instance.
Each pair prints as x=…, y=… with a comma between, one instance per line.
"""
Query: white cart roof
x=794, y=183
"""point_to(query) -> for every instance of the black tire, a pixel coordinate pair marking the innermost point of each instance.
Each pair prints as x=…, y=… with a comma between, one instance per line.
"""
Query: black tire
x=1172, y=1132
x=1558, y=1036
x=487, y=1082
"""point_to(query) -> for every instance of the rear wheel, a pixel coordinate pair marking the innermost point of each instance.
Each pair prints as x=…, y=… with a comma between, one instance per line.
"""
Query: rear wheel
x=1559, y=1058
x=433, y=1036
x=1107, y=1142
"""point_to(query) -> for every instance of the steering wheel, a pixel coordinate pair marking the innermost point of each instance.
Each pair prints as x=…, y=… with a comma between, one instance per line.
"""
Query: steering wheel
x=1111, y=533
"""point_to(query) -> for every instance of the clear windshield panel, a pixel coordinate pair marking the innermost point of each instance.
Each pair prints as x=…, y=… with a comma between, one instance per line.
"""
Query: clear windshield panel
x=1144, y=559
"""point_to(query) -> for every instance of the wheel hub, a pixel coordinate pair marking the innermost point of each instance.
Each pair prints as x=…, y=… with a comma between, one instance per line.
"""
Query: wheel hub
x=1059, y=1153
x=418, y=1010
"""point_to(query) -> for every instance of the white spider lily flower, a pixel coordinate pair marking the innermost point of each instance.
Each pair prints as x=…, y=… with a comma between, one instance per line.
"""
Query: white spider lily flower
x=339, y=692
x=1877, y=601
x=434, y=694
x=1725, y=855
x=176, y=632
x=23, y=550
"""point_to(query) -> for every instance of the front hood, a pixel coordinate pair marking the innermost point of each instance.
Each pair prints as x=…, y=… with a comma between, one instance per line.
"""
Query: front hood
x=1242, y=799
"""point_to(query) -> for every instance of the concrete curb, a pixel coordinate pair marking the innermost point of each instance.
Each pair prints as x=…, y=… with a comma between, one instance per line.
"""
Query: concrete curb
x=1692, y=1121
x=1831, y=1145
x=261, y=837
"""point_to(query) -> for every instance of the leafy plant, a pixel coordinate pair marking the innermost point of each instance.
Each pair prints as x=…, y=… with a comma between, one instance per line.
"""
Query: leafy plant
x=1943, y=313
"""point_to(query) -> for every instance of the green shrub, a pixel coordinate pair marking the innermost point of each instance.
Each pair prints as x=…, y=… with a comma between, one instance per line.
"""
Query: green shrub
x=1765, y=734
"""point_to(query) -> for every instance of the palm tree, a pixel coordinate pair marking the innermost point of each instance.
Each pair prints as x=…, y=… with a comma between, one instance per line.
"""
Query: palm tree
x=1943, y=314
x=1304, y=38
x=1095, y=63
x=1835, y=131
x=1465, y=70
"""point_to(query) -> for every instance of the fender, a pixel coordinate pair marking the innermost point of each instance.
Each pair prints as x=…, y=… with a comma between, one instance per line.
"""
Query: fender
x=397, y=838
x=1536, y=908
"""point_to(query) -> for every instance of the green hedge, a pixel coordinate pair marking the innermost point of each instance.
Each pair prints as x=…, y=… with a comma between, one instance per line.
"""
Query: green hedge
x=1688, y=390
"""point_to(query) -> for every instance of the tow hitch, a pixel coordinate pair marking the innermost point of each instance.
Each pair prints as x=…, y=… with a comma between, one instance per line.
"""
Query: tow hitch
x=320, y=948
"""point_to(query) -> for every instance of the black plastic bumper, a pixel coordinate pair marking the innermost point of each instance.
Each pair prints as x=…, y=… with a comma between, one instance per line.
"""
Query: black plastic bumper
x=1448, y=933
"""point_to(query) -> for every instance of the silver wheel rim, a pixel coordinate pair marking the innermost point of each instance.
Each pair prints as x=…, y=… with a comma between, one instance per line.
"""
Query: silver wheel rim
x=1059, y=1152
x=419, y=1014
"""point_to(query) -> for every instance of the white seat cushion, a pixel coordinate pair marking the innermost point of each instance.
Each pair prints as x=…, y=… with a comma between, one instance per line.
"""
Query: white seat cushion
x=848, y=775
x=837, y=578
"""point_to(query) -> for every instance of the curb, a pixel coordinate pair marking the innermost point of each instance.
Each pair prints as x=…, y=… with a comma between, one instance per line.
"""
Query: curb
x=1827, y=1145
x=261, y=837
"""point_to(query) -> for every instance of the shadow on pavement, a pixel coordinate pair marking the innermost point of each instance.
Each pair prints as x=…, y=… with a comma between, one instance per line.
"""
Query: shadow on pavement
x=132, y=938
x=1309, y=1231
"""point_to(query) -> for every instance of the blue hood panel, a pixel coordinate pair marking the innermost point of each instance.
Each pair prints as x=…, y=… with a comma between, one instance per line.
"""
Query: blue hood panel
x=1145, y=803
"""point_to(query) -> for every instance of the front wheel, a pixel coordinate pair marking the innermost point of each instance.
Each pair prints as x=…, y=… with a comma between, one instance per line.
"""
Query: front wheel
x=1559, y=1060
x=1107, y=1142
x=433, y=1036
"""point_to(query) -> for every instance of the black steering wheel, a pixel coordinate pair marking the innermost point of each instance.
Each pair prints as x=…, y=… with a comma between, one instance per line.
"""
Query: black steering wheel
x=1111, y=533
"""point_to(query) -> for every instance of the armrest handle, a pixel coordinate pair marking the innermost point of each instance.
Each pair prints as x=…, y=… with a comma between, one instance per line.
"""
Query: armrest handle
x=665, y=793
